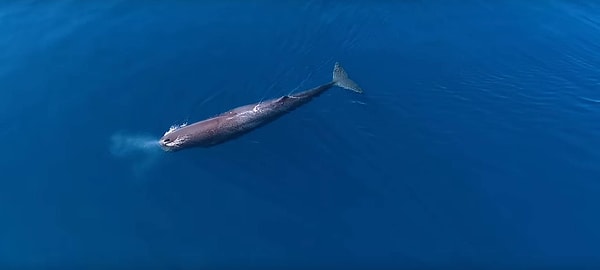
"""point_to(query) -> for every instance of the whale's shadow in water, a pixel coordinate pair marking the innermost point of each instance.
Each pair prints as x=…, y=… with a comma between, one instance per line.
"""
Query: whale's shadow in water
x=308, y=188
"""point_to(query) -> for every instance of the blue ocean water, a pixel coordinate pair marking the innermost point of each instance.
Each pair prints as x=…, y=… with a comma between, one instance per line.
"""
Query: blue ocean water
x=475, y=144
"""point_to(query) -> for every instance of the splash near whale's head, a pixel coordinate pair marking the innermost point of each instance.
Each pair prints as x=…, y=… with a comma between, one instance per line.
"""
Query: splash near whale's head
x=171, y=141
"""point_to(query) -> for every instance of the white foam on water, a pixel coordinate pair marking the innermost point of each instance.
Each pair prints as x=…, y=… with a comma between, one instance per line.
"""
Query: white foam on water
x=175, y=127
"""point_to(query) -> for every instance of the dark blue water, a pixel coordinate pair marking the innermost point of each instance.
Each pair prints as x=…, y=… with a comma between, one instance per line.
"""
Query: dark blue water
x=476, y=142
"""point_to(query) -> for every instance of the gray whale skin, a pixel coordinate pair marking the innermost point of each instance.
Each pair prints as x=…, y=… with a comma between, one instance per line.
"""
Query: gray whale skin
x=243, y=119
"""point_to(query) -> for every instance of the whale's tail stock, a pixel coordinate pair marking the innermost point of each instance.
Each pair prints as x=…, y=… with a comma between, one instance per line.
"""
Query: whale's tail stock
x=341, y=79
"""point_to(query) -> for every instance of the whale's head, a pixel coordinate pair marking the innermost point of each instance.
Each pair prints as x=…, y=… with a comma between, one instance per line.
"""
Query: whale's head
x=173, y=140
x=173, y=143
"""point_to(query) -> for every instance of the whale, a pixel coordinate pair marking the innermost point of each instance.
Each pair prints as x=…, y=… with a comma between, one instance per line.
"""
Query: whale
x=244, y=119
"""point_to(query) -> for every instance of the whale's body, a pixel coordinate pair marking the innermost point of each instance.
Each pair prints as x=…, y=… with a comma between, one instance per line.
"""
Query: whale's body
x=243, y=119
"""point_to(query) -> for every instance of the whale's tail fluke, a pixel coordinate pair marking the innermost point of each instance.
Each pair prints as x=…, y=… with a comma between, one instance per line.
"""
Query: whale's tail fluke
x=341, y=79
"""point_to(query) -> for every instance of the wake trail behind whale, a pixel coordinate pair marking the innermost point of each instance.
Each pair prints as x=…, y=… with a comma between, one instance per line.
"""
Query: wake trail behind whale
x=143, y=150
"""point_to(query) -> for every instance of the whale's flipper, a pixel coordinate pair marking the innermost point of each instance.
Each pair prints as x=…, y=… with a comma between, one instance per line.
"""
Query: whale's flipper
x=340, y=79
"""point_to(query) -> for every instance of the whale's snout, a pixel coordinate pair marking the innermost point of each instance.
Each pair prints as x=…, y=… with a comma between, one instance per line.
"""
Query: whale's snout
x=164, y=144
x=171, y=143
x=165, y=141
